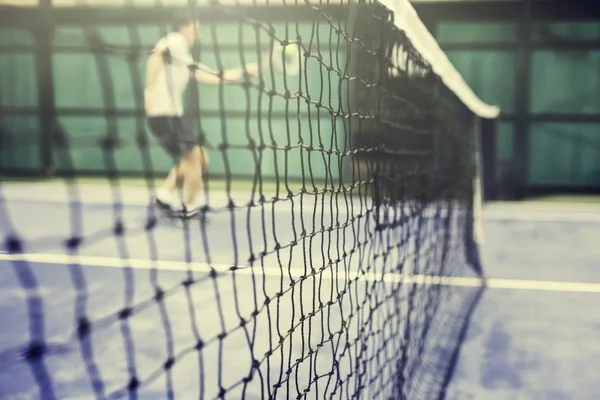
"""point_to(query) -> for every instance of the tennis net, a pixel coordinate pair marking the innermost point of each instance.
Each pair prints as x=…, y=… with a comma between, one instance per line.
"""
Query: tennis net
x=338, y=255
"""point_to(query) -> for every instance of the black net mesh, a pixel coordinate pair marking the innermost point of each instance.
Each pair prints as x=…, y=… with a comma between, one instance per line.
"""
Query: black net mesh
x=337, y=257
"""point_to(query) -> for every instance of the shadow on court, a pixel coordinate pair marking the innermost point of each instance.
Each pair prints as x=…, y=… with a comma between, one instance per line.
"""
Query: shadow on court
x=527, y=344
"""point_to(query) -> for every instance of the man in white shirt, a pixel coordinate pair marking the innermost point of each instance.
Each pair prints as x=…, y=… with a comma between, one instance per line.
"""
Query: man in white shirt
x=168, y=70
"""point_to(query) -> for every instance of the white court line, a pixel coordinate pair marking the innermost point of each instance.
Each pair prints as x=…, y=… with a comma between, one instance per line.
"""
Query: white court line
x=541, y=216
x=113, y=262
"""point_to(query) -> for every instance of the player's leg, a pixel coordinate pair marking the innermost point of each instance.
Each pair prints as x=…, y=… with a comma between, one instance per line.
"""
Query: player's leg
x=164, y=129
x=171, y=181
x=192, y=178
x=165, y=195
x=192, y=167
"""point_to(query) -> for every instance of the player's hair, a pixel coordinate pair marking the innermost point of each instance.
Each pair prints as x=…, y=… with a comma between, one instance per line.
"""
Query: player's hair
x=181, y=19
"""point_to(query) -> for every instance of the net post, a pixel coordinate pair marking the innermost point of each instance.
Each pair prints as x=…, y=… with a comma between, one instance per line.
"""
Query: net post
x=488, y=133
x=474, y=236
x=434, y=177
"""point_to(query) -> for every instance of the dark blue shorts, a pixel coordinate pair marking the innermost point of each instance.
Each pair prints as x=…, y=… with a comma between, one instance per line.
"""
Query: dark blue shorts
x=174, y=134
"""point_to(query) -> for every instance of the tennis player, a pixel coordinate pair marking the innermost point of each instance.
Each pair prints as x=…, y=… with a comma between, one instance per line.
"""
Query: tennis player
x=169, y=69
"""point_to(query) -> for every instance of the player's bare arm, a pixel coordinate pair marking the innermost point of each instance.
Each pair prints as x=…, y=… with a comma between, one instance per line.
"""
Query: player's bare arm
x=211, y=77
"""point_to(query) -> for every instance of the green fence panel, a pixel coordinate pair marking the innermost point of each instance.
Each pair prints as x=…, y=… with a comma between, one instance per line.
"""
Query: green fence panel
x=235, y=33
x=490, y=74
x=505, y=141
x=476, y=32
x=16, y=36
x=19, y=134
x=565, y=82
x=116, y=35
x=564, y=154
x=319, y=83
x=18, y=80
x=84, y=151
x=20, y=142
x=318, y=35
x=79, y=85
x=565, y=30
x=238, y=132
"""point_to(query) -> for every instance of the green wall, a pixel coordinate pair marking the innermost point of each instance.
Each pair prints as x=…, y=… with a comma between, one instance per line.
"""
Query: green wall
x=476, y=32
x=563, y=81
x=18, y=89
x=564, y=154
x=83, y=96
x=249, y=115
x=489, y=72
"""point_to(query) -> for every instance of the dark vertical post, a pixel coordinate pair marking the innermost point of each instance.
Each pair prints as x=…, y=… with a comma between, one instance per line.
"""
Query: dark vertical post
x=522, y=95
x=43, y=60
x=475, y=139
x=474, y=232
x=488, y=133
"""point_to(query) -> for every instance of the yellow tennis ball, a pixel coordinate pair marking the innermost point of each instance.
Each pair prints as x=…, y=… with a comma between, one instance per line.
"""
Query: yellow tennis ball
x=286, y=58
x=290, y=52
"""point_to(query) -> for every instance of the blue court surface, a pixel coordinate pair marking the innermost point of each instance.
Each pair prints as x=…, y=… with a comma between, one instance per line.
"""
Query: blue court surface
x=280, y=308
x=533, y=335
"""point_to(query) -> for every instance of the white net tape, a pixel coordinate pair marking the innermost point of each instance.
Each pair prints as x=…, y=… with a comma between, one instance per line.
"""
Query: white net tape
x=407, y=19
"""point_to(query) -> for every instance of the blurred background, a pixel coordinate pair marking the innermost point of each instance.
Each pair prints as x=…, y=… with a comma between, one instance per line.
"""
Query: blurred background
x=539, y=60
x=534, y=334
